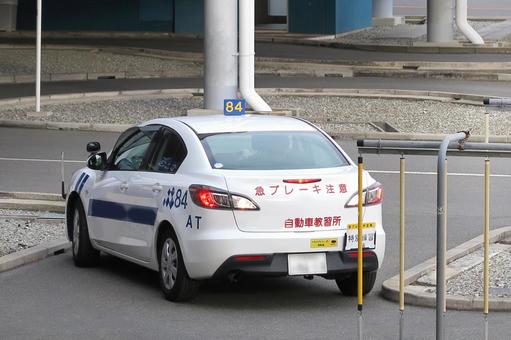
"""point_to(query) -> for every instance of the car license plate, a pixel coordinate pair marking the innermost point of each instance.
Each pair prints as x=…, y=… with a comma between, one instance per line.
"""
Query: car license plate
x=368, y=232
x=324, y=243
x=307, y=264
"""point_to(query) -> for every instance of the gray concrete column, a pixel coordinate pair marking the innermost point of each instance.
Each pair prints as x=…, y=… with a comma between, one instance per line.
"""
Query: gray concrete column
x=383, y=8
x=220, y=52
x=440, y=21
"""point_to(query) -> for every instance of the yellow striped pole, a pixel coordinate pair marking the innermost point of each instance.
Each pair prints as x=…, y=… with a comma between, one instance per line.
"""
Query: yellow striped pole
x=486, y=234
x=360, y=245
x=401, y=245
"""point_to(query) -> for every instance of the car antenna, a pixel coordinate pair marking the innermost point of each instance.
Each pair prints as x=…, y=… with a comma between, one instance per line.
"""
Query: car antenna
x=63, y=190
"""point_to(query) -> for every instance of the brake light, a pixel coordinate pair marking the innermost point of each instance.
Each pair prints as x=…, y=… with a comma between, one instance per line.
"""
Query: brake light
x=302, y=180
x=212, y=198
x=372, y=195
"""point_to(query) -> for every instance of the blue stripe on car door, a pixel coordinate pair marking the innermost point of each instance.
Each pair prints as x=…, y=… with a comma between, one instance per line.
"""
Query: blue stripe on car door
x=123, y=212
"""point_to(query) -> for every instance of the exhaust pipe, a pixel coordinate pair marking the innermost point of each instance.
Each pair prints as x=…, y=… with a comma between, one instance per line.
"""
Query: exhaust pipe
x=247, y=57
x=462, y=23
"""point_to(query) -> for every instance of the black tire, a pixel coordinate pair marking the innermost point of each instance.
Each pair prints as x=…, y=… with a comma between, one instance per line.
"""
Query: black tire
x=84, y=255
x=175, y=284
x=349, y=285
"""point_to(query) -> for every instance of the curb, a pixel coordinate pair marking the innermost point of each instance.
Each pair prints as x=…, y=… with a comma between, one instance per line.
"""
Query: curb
x=33, y=204
x=30, y=196
x=33, y=254
x=367, y=93
x=420, y=297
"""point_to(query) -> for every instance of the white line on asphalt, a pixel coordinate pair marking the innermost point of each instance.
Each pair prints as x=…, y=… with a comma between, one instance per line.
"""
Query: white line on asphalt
x=430, y=173
x=38, y=160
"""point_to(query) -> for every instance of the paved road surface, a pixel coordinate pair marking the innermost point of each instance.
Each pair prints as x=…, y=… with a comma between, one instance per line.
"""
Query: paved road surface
x=483, y=8
x=53, y=299
x=500, y=89
x=270, y=50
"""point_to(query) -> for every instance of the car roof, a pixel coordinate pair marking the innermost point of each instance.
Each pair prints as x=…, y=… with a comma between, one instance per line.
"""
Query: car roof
x=248, y=122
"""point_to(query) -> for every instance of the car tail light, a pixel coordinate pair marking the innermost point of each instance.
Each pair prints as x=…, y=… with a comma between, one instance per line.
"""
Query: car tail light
x=212, y=198
x=372, y=195
x=302, y=180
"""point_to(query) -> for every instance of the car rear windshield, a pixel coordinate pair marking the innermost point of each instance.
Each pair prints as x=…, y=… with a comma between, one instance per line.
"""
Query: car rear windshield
x=272, y=151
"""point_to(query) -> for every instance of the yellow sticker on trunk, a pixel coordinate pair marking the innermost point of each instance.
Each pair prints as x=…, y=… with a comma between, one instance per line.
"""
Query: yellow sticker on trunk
x=367, y=225
x=324, y=243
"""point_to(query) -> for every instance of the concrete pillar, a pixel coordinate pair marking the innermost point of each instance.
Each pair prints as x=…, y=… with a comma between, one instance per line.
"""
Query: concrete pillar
x=440, y=21
x=383, y=8
x=383, y=13
x=220, y=52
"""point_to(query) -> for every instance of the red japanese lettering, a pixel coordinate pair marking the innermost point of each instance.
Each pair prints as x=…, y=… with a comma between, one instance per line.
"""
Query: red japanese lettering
x=309, y=222
x=288, y=223
x=299, y=222
x=318, y=222
x=328, y=221
x=259, y=191
x=342, y=188
x=336, y=221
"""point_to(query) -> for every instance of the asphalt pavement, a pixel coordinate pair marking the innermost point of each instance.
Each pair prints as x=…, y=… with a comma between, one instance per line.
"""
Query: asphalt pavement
x=53, y=299
x=267, y=50
x=486, y=88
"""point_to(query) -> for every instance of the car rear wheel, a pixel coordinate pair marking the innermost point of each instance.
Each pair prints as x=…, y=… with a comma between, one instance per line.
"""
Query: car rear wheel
x=174, y=280
x=349, y=285
x=84, y=255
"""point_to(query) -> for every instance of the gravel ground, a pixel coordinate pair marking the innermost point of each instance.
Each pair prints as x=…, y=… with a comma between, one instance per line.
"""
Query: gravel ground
x=399, y=35
x=17, y=234
x=470, y=282
x=423, y=116
x=22, y=61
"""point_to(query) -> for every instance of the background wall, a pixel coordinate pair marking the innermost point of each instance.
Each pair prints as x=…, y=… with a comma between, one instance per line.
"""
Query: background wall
x=99, y=15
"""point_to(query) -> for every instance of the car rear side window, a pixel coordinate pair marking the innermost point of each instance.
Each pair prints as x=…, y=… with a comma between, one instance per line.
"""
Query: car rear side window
x=283, y=150
x=169, y=154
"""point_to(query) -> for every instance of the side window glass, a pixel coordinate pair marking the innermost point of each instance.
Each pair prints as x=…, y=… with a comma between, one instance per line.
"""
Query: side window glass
x=131, y=153
x=169, y=155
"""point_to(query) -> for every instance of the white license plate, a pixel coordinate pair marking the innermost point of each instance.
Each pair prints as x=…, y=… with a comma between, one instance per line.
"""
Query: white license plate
x=307, y=264
x=368, y=240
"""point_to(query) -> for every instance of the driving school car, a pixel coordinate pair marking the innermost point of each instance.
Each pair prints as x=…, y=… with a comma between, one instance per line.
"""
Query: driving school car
x=197, y=198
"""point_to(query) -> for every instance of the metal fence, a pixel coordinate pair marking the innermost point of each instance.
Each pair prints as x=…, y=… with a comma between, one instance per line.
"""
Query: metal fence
x=453, y=145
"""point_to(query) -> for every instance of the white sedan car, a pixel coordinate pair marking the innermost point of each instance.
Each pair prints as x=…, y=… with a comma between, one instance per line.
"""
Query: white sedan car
x=209, y=197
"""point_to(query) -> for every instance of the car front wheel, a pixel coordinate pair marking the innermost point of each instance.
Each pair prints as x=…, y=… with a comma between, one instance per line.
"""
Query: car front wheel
x=174, y=280
x=349, y=285
x=84, y=255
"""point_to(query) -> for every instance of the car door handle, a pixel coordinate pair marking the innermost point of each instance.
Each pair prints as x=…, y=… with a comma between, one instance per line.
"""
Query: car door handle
x=157, y=188
x=123, y=186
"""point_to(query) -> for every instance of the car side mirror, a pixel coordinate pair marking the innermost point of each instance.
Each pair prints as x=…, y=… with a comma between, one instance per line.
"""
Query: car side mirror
x=93, y=147
x=97, y=161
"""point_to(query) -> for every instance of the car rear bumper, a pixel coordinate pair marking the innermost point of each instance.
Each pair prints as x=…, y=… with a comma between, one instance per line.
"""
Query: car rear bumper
x=211, y=254
x=338, y=263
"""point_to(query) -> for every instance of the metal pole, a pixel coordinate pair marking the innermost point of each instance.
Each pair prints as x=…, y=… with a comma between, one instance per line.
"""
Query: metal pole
x=220, y=52
x=360, y=263
x=440, y=245
x=38, y=56
x=440, y=20
x=486, y=232
x=401, y=245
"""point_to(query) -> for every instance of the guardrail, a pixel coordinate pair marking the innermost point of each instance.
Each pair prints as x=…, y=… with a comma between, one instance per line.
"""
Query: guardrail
x=452, y=145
